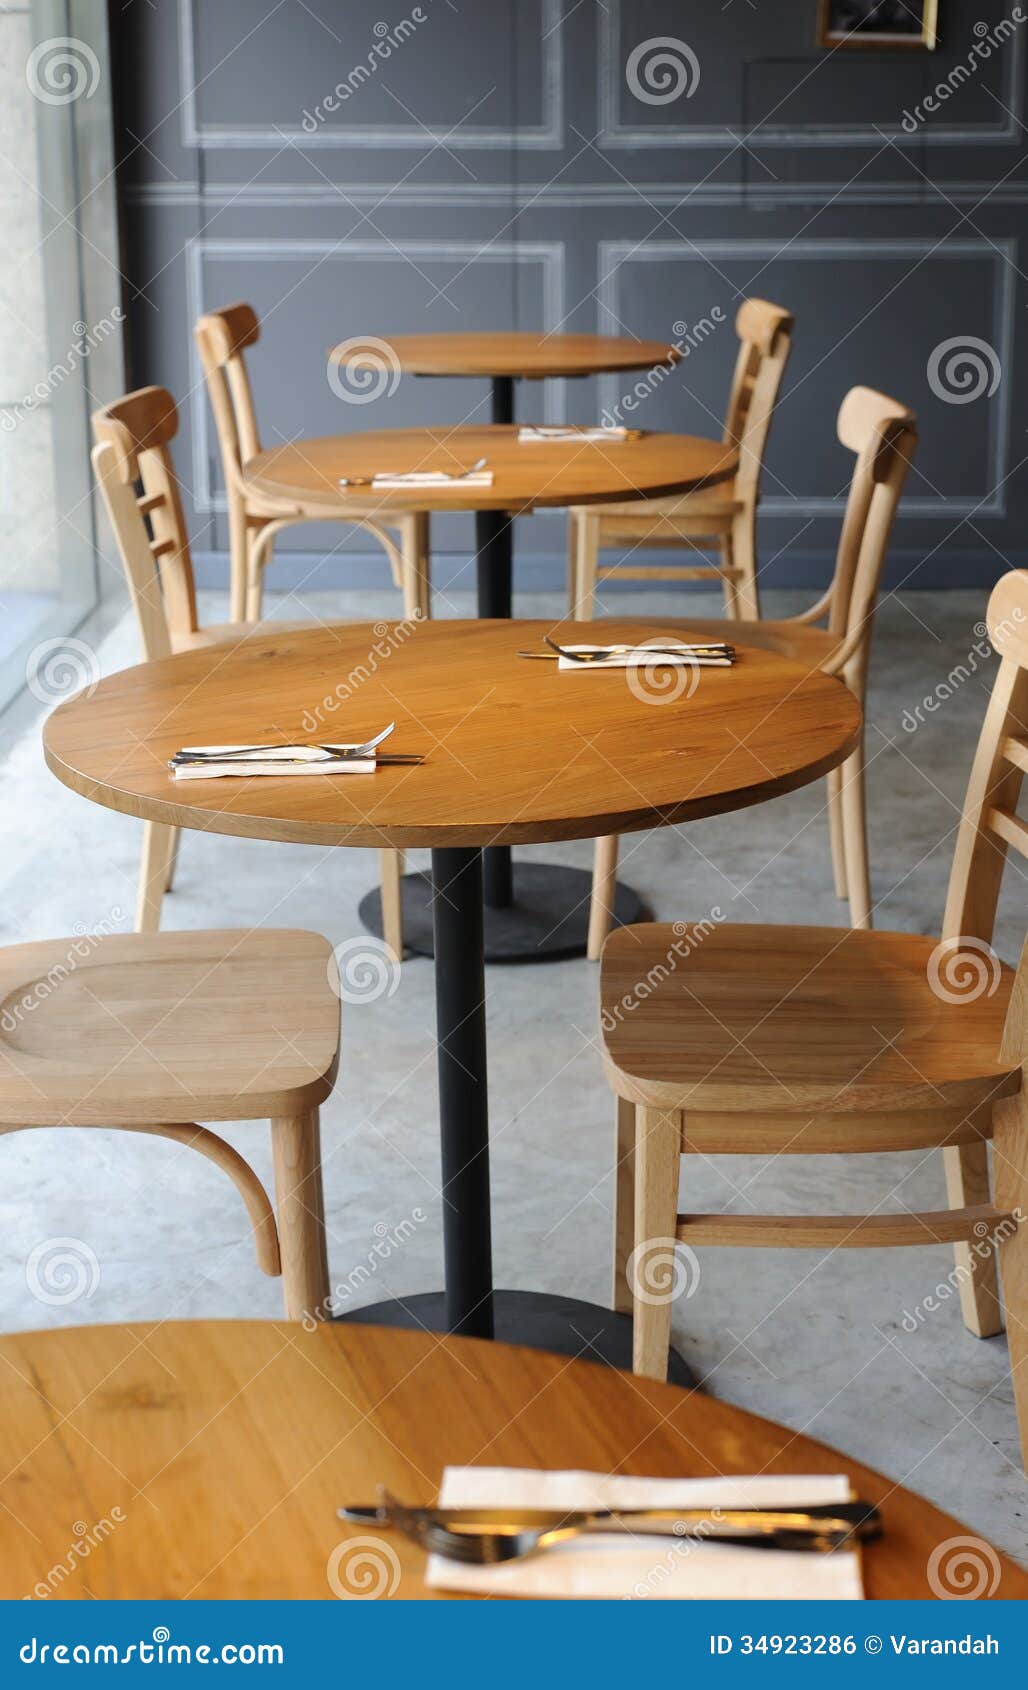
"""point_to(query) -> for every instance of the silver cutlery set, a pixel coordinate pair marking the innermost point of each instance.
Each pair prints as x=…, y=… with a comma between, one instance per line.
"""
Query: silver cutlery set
x=488, y=1536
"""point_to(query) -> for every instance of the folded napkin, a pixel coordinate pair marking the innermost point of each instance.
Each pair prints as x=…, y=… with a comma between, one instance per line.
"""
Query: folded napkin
x=266, y=760
x=615, y=1565
x=642, y=655
x=528, y=432
x=427, y=478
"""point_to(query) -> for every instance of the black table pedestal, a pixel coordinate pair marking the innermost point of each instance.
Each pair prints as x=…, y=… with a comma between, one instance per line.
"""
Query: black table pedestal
x=538, y=912
x=469, y=1306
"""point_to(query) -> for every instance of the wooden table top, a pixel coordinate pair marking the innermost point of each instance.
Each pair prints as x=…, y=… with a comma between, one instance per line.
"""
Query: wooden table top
x=524, y=475
x=514, y=751
x=206, y=1459
x=527, y=353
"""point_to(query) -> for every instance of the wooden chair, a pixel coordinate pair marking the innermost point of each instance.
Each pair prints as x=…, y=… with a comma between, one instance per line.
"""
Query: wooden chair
x=810, y=1040
x=725, y=514
x=133, y=440
x=883, y=435
x=146, y=1033
x=255, y=519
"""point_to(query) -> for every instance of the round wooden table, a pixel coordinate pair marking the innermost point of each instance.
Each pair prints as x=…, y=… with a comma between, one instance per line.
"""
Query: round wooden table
x=514, y=753
x=545, y=914
x=206, y=1459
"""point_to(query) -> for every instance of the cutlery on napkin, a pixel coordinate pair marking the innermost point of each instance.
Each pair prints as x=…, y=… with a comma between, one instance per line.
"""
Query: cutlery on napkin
x=476, y=476
x=529, y=432
x=210, y=762
x=714, y=655
x=605, y=1565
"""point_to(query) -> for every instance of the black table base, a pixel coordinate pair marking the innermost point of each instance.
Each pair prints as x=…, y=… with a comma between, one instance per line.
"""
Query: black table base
x=562, y=1325
x=545, y=920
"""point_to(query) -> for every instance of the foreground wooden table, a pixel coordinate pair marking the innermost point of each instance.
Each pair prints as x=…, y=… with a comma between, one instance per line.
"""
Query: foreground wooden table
x=514, y=753
x=546, y=913
x=207, y=1458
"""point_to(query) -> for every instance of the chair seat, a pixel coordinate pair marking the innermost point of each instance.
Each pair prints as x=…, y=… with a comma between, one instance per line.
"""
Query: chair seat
x=221, y=633
x=792, y=1019
x=166, y=1027
x=796, y=640
x=714, y=501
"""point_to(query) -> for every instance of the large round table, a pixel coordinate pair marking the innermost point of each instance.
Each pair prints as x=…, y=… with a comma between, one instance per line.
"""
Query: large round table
x=514, y=753
x=206, y=1459
x=545, y=912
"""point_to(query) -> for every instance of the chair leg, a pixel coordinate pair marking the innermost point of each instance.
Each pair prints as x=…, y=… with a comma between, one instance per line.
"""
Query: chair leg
x=238, y=542
x=854, y=827
x=158, y=846
x=624, y=1204
x=601, y=909
x=967, y=1185
x=743, y=547
x=729, y=585
x=390, y=873
x=586, y=563
x=173, y=849
x=300, y=1202
x=1010, y=1147
x=258, y=556
x=423, y=564
x=835, y=832
x=658, y=1148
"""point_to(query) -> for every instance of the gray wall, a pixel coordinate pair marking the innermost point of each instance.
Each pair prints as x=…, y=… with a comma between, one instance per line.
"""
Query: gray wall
x=499, y=170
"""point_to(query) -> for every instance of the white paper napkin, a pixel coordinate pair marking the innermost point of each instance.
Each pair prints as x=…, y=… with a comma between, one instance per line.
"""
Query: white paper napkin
x=642, y=655
x=610, y=1565
x=527, y=433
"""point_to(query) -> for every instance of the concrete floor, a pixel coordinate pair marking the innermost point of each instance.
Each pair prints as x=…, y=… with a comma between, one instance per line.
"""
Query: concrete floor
x=815, y=1340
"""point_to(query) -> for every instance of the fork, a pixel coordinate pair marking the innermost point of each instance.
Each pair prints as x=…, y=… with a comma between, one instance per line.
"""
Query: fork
x=486, y=1537
x=351, y=752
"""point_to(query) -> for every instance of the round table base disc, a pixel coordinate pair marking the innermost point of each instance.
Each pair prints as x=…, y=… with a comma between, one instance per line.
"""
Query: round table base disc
x=535, y=1319
x=548, y=920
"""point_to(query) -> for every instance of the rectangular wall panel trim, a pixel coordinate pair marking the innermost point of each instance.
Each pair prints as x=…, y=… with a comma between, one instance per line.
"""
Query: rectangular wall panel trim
x=200, y=253
x=415, y=136
x=1008, y=127
x=615, y=257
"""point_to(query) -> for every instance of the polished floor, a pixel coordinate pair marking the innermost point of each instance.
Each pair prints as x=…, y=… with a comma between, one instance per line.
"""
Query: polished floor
x=834, y=1344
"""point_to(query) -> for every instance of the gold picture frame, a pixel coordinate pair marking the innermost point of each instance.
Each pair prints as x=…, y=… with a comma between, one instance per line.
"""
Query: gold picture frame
x=832, y=30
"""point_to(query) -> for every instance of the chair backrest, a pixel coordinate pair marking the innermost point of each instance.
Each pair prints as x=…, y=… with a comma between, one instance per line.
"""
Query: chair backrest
x=765, y=341
x=989, y=820
x=883, y=434
x=133, y=437
x=222, y=337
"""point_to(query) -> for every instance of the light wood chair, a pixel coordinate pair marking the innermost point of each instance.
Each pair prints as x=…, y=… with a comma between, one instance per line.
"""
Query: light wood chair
x=726, y=514
x=254, y=518
x=775, y=1041
x=146, y=1033
x=883, y=436
x=133, y=440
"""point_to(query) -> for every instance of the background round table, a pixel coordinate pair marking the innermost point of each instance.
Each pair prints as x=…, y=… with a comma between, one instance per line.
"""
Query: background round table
x=226, y=1447
x=514, y=752
x=545, y=912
